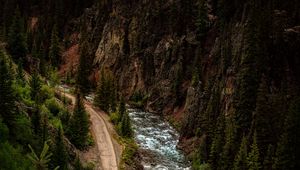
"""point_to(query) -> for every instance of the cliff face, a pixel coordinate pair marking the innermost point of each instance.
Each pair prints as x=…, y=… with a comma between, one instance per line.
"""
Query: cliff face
x=148, y=47
x=152, y=48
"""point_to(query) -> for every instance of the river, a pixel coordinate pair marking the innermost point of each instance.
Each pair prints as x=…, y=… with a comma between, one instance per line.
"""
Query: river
x=157, y=141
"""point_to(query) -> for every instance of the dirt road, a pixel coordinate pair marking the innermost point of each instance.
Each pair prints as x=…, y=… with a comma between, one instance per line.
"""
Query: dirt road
x=110, y=151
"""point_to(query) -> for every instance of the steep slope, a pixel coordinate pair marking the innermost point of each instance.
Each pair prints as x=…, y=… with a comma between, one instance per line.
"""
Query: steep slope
x=209, y=63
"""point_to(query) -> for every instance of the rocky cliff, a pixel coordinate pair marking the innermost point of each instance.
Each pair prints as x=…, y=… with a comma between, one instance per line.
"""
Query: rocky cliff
x=153, y=47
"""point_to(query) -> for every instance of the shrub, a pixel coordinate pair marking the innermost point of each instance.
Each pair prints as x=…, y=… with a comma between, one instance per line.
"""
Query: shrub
x=53, y=106
x=115, y=117
x=46, y=93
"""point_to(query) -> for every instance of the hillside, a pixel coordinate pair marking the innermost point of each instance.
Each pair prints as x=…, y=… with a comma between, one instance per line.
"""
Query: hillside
x=225, y=74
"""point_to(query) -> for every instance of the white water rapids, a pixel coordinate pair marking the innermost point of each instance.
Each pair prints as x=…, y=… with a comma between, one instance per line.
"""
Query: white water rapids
x=157, y=141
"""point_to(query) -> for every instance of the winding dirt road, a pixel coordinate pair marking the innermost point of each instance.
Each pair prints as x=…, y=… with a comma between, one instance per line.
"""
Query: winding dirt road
x=110, y=151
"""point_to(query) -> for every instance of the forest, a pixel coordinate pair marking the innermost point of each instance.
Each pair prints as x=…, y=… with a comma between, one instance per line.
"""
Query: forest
x=224, y=75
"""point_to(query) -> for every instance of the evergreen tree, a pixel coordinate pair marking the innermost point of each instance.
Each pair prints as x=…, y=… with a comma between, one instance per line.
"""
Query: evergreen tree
x=126, y=130
x=113, y=95
x=7, y=97
x=17, y=46
x=20, y=74
x=229, y=148
x=262, y=118
x=36, y=121
x=253, y=157
x=83, y=71
x=240, y=162
x=79, y=125
x=106, y=92
x=287, y=152
x=35, y=84
x=101, y=99
x=202, y=20
x=54, y=53
x=60, y=156
x=122, y=109
x=268, y=160
x=245, y=98
x=218, y=142
x=42, y=54
x=41, y=162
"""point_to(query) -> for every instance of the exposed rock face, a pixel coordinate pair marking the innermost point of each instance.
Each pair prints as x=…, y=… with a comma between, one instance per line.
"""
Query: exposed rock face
x=151, y=46
x=144, y=44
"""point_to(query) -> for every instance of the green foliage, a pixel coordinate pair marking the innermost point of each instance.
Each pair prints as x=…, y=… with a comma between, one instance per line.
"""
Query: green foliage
x=35, y=84
x=217, y=142
x=130, y=152
x=20, y=74
x=3, y=131
x=36, y=121
x=253, y=157
x=83, y=70
x=23, y=128
x=60, y=156
x=230, y=148
x=106, y=92
x=23, y=94
x=138, y=99
x=122, y=120
x=53, y=77
x=125, y=126
x=201, y=155
x=114, y=118
x=54, y=53
x=202, y=20
x=16, y=38
x=46, y=93
x=79, y=125
x=268, y=160
x=204, y=166
x=7, y=97
x=40, y=162
x=53, y=106
x=12, y=158
x=287, y=152
x=240, y=162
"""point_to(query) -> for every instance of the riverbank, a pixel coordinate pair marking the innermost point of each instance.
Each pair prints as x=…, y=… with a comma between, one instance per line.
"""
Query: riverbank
x=157, y=141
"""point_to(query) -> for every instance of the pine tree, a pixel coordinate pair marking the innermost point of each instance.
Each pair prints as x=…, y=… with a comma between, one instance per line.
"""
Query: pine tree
x=54, y=53
x=245, y=98
x=35, y=84
x=202, y=20
x=7, y=97
x=122, y=109
x=229, y=148
x=253, y=157
x=126, y=130
x=82, y=80
x=17, y=46
x=262, y=118
x=268, y=160
x=218, y=142
x=287, y=152
x=79, y=125
x=36, y=121
x=42, y=54
x=113, y=95
x=240, y=162
x=106, y=92
x=20, y=74
x=41, y=162
x=60, y=156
